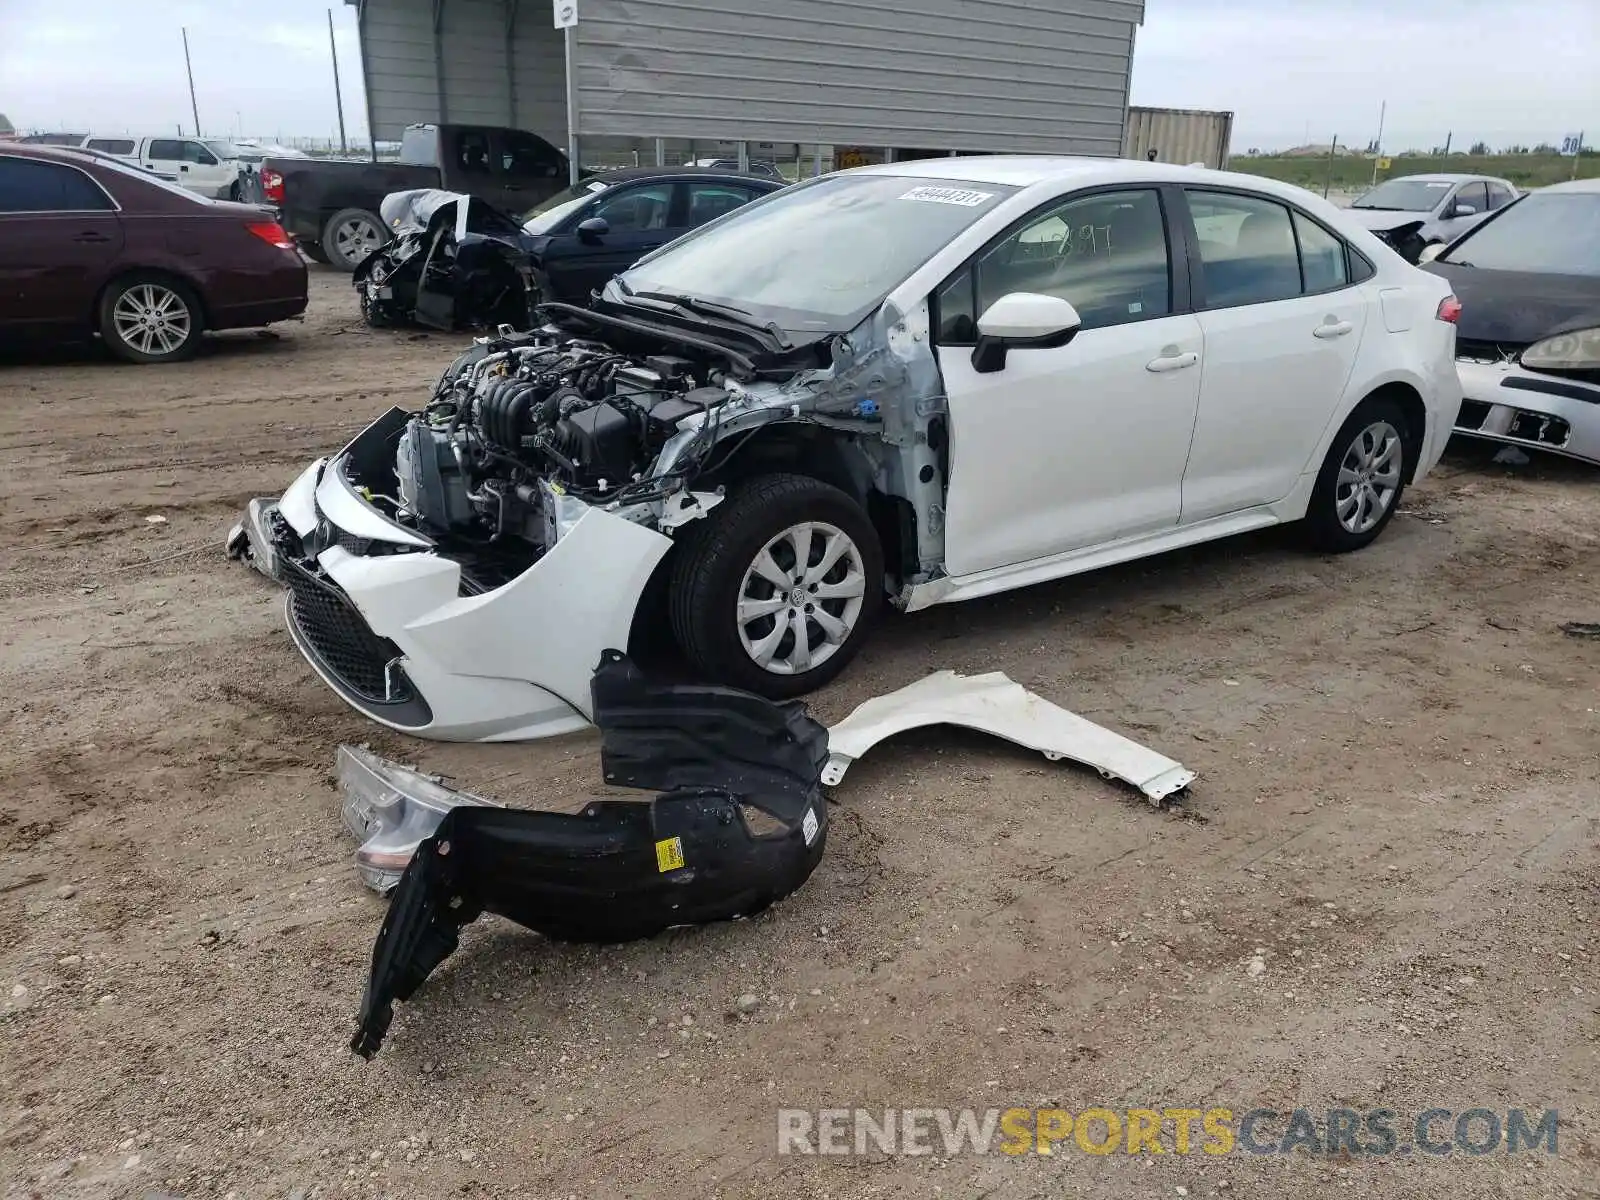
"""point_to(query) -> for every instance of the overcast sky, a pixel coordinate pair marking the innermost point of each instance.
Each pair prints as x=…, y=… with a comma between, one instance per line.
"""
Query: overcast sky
x=1290, y=69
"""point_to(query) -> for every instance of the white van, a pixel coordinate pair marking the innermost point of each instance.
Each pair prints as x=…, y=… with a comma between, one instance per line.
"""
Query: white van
x=190, y=161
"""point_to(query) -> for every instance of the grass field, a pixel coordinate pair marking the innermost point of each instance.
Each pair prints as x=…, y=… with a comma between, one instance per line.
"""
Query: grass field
x=1354, y=174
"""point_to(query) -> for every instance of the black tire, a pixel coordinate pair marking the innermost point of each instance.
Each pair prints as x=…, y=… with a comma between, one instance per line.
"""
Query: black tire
x=314, y=251
x=340, y=240
x=175, y=339
x=718, y=551
x=373, y=314
x=1324, y=528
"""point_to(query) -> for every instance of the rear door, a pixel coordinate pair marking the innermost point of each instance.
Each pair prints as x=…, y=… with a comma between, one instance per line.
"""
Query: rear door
x=59, y=235
x=1282, y=323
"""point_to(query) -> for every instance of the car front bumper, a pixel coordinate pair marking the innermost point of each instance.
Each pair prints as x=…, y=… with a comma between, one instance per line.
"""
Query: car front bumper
x=397, y=633
x=1505, y=402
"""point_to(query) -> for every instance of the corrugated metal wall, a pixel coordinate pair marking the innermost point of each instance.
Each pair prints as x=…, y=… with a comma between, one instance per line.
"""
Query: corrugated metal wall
x=1044, y=75
x=489, y=62
x=1179, y=135
x=1001, y=75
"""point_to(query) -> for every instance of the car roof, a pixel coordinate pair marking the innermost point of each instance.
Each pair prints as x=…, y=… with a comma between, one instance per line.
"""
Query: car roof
x=1026, y=171
x=66, y=154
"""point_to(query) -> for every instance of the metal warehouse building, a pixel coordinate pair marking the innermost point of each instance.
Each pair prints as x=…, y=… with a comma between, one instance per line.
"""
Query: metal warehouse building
x=918, y=77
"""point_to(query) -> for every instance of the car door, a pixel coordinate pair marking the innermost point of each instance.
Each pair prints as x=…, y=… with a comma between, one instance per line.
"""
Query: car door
x=191, y=163
x=1084, y=443
x=1282, y=325
x=638, y=217
x=59, y=235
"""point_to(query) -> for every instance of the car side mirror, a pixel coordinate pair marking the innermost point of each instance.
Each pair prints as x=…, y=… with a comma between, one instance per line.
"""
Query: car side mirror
x=1464, y=210
x=1022, y=321
x=593, y=230
x=1430, y=252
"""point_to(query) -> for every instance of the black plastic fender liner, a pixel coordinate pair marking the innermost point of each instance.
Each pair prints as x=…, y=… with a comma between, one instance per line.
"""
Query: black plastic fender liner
x=621, y=870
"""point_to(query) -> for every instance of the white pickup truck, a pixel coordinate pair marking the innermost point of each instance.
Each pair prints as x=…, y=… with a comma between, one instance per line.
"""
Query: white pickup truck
x=204, y=166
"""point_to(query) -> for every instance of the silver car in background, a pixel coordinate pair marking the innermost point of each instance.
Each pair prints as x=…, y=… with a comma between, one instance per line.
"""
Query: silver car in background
x=1417, y=211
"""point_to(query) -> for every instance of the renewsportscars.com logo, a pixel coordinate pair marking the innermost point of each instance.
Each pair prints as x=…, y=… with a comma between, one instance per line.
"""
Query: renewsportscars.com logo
x=1370, y=1132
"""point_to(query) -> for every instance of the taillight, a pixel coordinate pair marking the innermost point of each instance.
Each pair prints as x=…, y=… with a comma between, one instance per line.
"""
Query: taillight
x=1449, y=310
x=271, y=231
x=272, y=186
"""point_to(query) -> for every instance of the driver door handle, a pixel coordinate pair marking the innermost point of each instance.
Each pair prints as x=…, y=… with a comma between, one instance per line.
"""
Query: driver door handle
x=1172, y=362
x=1333, y=329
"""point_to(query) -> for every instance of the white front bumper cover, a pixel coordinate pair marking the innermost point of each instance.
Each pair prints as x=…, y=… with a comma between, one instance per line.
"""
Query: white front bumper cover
x=1506, y=402
x=392, y=634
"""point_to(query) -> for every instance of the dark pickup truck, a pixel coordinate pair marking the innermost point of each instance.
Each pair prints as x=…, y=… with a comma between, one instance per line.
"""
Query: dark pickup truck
x=330, y=206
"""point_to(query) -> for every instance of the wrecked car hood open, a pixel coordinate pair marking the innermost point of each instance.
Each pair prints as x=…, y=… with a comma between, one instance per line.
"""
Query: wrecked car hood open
x=622, y=869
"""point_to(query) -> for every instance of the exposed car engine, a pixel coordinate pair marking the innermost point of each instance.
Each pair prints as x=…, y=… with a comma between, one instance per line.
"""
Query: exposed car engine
x=517, y=423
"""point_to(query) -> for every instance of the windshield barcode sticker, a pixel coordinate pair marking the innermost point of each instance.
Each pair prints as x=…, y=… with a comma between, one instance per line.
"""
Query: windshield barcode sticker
x=941, y=195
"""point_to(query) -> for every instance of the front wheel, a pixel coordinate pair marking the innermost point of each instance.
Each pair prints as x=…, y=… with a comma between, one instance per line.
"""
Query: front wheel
x=1362, y=479
x=774, y=589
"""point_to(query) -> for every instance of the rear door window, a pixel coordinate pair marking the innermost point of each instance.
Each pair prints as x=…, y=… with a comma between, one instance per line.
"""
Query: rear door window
x=1247, y=248
x=1499, y=195
x=31, y=186
x=1322, y=256
x=524, y=157
x=708, y=201
x=165, y=150
x=111, y=145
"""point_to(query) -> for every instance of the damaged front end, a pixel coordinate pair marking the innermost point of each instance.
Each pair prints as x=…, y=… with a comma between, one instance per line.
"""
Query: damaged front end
x=455, y=572
x=453, y=262
x=739, y=824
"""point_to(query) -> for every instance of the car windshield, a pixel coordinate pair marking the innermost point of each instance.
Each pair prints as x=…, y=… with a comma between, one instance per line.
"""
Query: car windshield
x=819, y=256
x=541, y=218
x=1551, y=234
x=1406, y=195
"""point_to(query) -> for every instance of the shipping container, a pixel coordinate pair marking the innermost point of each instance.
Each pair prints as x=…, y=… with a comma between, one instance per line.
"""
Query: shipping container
x=1178, y=135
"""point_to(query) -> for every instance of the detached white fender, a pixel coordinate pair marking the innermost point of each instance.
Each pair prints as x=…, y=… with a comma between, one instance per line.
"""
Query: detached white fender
x=996, y=705
x=513, y=663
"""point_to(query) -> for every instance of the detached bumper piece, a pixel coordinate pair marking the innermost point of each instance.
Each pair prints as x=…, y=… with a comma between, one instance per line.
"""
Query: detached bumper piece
x=621, y=870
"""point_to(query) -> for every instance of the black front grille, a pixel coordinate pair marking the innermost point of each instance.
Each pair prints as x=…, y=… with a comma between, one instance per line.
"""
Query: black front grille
x=342, y=640
x=1473, y=414
x=1540, y=428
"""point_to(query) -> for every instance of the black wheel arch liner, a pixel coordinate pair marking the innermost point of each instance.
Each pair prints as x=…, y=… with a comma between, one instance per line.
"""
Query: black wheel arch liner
x=621, y=870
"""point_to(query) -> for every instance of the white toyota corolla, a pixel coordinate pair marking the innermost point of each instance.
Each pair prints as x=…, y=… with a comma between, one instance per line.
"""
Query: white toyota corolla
x=915, y=384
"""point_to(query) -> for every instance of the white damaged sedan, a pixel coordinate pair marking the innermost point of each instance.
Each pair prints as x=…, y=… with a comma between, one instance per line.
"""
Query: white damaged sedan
x=917, y=383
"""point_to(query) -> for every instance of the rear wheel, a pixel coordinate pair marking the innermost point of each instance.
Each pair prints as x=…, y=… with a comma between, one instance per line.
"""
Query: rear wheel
x=350, y=235
x=774, y=589
x=1362, y=479
x=150, y=319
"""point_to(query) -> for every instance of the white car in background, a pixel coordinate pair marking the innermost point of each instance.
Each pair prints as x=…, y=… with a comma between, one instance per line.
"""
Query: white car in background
x=201, y=166
x=1414, y=212
x=922, y=382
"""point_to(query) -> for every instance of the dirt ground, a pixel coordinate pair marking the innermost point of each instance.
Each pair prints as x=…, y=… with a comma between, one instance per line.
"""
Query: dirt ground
x=1396, y=812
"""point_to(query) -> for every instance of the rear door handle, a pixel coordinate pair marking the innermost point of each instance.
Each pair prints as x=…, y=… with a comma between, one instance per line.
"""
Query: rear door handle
x=1172, y=362
x=91, y=236
x=1333, y=329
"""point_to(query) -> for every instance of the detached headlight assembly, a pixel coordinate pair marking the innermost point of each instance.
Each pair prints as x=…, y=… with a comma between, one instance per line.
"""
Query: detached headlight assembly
x=1578, y=350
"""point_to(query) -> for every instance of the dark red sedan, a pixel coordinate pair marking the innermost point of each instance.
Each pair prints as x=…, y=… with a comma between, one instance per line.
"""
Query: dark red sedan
x=92, y=246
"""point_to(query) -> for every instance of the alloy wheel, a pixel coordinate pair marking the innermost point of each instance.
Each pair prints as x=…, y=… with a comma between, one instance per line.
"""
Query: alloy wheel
x=1369, y=477
x=801, y=598
x=356, y=239
x=152, y=319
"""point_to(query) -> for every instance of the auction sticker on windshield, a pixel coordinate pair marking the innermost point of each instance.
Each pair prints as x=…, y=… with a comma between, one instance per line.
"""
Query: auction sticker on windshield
x=940, y=195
